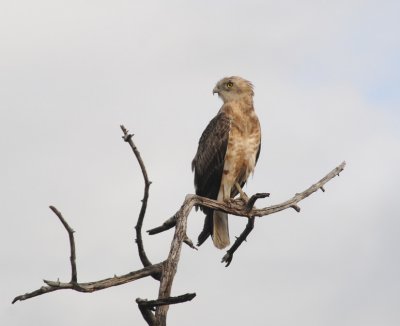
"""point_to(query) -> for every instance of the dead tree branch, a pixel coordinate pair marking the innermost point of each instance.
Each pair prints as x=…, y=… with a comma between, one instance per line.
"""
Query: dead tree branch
x=239, y=208
x=243, y=236
x=155, y=312
x=74, y=275
x=127, y=137
x=89, y=286
x=168, y=224
x=150, y=304
x=92, y=286
x=239, y=240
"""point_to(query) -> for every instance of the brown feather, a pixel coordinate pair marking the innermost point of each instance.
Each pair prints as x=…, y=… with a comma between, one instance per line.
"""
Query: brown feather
x=227, y=153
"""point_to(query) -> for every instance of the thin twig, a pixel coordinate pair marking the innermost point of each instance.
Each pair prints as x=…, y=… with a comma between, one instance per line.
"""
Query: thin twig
x=127, y=137
x=243, y=237
x=92, y=286
x=299, y=196
x=74, y=274
x=168, y=224
x=166, y=301
x=253, y=199
x=189, y=243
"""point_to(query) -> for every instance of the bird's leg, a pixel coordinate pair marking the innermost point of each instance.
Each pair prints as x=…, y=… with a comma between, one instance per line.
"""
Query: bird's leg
x=243, y=195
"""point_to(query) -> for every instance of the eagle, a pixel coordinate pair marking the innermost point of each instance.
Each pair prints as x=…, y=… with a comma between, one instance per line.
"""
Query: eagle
x=227, y=154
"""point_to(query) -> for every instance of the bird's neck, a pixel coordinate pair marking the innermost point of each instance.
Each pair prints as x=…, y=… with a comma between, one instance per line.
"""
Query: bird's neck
x=241, y=105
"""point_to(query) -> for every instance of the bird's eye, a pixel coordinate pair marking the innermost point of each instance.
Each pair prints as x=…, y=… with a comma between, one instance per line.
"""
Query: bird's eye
x=229, y=84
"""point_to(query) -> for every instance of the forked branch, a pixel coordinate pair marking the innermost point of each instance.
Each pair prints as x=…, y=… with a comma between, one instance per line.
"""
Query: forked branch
x=155, y=311
x=239, y=208
x=87, y=287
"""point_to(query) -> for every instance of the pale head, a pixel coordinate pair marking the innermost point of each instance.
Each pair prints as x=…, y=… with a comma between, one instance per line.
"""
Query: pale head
x=234, y=88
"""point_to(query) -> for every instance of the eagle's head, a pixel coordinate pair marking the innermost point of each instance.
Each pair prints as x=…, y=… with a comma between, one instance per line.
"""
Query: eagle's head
x=233, y=88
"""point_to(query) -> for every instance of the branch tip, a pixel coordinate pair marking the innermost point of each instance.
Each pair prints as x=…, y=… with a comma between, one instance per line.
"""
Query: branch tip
x=253, y=199
x=189, y=243
x=296, y=208
x=149, y=304
x=142, y=254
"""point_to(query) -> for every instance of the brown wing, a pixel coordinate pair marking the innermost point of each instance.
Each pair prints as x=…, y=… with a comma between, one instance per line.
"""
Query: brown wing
x=208, y=165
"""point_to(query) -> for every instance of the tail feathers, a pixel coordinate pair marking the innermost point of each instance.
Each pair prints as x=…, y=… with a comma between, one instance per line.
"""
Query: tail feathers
x=220, y=230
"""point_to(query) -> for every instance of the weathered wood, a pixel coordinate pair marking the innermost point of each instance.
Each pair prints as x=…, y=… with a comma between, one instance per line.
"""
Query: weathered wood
x=171, y=264
x=165, y=271
x=127, y=137
x=74, y=274
x=92, y=286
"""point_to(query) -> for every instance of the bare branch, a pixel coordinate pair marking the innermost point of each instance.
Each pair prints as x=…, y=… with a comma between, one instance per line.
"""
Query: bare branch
x=300, y=196
x=236, y=206
x=165, y=271
x=168, y=224
x=74, y=275
x=171, y=263
x=243, y=237
x=139, y=240
x=147, y=306
x=189, y=243
x=252, y=200
x=147, y=314
x=42, y=290
x=239, y=208
x=92, y=286
x=166, y=301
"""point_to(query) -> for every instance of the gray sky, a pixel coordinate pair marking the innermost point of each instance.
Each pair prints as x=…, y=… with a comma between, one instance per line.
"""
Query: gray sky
x=326, y=78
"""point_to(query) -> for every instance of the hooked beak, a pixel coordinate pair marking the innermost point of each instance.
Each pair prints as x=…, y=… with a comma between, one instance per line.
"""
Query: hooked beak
x=215, y=90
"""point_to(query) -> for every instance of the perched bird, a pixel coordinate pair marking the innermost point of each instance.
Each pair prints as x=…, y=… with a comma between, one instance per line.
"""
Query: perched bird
x=227, y=154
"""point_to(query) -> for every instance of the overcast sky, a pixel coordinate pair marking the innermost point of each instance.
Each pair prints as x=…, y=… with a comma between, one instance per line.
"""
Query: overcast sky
x=326, y=76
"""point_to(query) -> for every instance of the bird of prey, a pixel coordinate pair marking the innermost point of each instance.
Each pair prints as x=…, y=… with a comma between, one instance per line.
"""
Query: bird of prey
x=227, y=153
